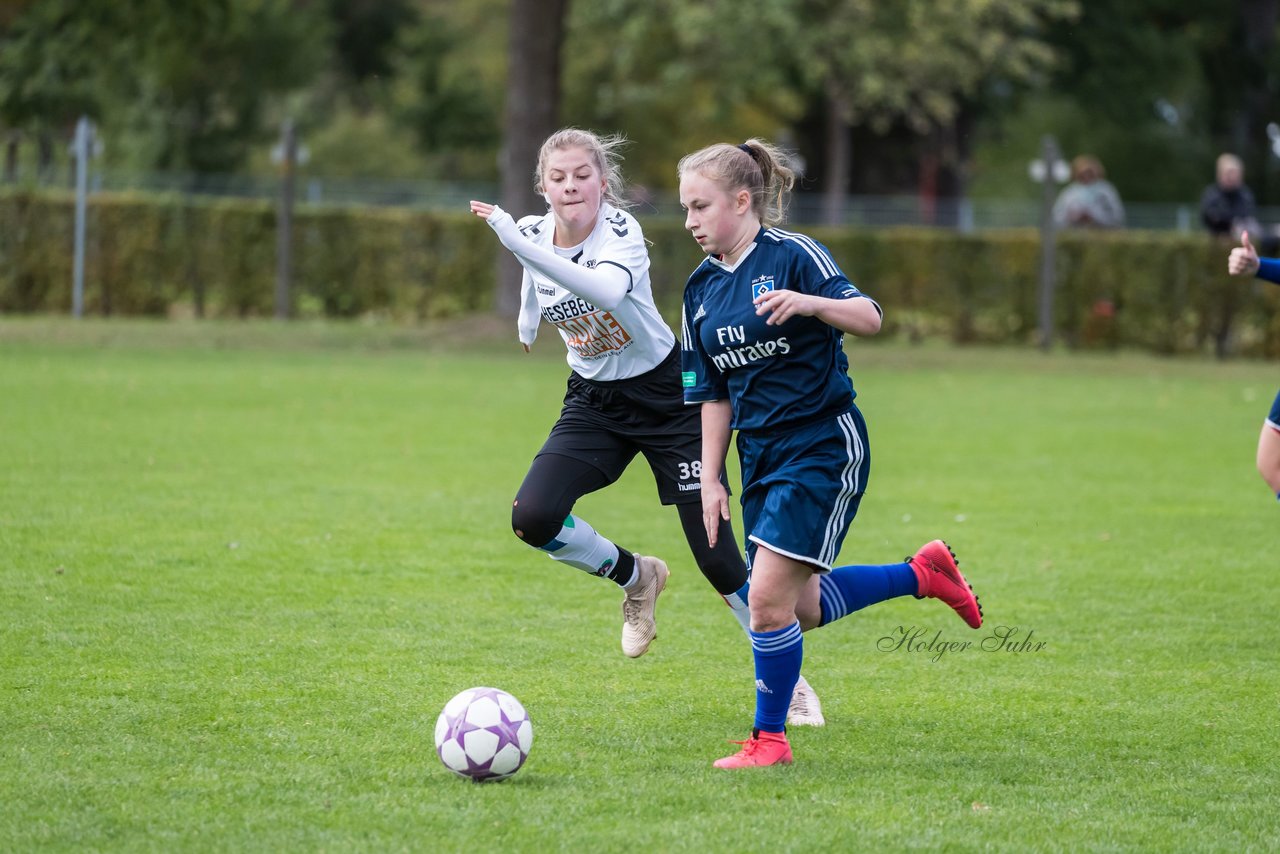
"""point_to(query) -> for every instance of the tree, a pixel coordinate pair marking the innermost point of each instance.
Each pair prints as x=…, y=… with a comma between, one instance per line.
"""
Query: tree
x=211, y=71
x=448, y=102
x=530, y=115
x=1157, y=88
x=914, y=61
x=676, y=75
x=49, y=52
x=182, y=85
x=366, y=33
x=1241, y=77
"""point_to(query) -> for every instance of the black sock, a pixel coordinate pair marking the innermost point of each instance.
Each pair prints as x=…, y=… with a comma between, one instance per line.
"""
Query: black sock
x=624, y=568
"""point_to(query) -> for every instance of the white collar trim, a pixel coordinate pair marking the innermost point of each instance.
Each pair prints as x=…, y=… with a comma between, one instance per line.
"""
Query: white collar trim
x=751, y=247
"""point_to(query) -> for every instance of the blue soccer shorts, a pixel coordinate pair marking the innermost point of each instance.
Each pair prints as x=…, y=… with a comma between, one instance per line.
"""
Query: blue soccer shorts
x=801, y=487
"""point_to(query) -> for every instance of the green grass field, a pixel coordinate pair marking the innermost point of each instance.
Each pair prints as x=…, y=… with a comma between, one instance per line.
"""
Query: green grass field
x=242, y=568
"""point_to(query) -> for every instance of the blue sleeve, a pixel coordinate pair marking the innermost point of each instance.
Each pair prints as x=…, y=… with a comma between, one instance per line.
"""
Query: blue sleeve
x=701, y=379
x=819, y=275
x=1269, y=269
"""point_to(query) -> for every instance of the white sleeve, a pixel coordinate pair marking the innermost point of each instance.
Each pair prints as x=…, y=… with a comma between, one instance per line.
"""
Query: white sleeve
x=604, y=286
x=527, y=324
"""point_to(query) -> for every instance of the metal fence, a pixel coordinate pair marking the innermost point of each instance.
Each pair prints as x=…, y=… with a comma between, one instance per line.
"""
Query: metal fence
x=963, y=214
x=806, y=209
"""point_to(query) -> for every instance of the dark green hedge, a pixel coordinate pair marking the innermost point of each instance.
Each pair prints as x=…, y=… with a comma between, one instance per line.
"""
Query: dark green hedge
x=158, y=255
x=1160, y=291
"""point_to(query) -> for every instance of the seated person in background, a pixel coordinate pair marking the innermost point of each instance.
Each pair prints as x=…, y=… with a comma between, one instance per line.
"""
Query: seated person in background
x=1089, y=201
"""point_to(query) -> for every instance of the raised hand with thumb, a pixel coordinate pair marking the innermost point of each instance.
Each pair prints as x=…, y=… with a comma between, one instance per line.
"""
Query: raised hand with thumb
x=1244, y=258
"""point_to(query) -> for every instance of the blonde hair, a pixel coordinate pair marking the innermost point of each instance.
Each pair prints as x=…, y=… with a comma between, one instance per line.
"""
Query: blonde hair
x=604, y=154
x=755, y=166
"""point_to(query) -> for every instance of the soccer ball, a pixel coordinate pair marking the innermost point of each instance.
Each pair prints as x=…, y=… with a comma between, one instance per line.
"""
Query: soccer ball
x=484, y=734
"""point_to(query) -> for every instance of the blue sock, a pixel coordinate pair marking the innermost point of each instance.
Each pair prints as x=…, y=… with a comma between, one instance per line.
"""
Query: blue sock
x=851, y=588
x=778, y=656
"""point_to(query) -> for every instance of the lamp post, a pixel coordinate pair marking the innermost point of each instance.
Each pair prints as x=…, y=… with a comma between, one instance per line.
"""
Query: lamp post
x=1048, y=170
x=82, y=148
x=288, y=154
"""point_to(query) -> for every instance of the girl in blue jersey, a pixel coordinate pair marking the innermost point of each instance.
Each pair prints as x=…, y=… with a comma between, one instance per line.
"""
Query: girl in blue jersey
x=764, y=317
x=586, y=272
x=1244, y=261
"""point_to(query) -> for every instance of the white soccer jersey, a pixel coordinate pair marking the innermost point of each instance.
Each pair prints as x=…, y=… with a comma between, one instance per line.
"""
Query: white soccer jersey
x=616, y=344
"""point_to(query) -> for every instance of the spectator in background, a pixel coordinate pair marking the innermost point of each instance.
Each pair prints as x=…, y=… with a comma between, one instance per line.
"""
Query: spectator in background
x=1227, y=206
x=1089, y=201
x=1228, y=210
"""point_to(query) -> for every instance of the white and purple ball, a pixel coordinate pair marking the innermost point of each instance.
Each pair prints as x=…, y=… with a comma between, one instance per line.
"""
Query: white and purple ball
x=484, y=734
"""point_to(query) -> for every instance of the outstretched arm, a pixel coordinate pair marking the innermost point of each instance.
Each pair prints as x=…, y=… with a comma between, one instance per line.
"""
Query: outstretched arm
x=604, y=286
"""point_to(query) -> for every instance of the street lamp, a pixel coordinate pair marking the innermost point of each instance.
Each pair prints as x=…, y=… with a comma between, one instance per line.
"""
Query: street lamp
x=288, y=155
x=1048, y=170
x=84, y=147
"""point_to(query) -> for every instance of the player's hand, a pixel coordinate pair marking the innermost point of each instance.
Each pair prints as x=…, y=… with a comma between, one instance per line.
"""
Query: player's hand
x=781, y=305
x=525, y=346
x=484, y=210
x=715, y=506
x=1244, y=258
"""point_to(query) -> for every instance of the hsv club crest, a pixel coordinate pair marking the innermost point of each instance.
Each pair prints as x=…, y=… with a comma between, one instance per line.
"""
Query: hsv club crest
x=761, y=285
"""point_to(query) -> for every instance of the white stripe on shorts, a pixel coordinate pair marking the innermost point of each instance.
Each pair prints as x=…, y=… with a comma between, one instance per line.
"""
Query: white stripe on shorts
x=849, y=477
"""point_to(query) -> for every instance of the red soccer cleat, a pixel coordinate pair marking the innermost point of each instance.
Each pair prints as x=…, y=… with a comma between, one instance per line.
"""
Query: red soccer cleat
x=763, y=748
x=938, y=577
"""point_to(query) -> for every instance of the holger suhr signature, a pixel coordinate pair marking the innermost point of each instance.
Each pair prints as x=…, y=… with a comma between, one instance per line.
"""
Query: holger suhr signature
x=932, y=643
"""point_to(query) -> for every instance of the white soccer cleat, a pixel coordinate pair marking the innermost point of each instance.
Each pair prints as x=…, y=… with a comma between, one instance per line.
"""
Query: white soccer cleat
x=638, y=625
x=805, y=709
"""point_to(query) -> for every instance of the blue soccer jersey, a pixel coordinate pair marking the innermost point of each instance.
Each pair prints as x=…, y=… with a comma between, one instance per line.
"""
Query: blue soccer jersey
x=774, y=376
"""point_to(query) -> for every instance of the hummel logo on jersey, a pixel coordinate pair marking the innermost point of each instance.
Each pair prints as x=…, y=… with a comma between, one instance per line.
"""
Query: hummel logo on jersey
x=546, y=291
x=762, y=688
x=761, y=285
x=619, y=223
x=701, y=312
